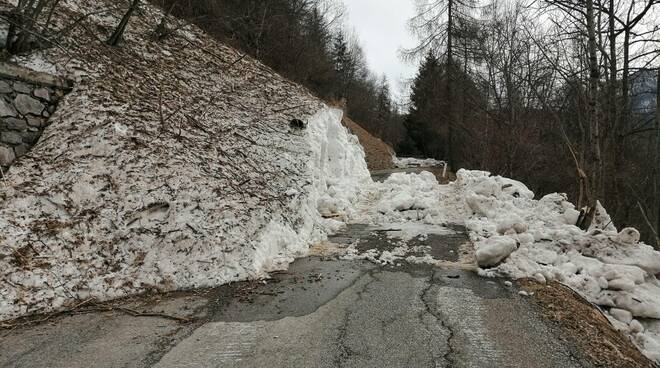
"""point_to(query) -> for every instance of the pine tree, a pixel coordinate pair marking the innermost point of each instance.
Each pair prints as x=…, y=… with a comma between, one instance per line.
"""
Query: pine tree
x=341, y=59
x=424, y=121
x=384, y=112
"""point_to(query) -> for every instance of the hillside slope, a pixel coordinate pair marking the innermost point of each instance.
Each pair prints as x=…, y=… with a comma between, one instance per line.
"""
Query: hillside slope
x=377, y=153
x=171, y=165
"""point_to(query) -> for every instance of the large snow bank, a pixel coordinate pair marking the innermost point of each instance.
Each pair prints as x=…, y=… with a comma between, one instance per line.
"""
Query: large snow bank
x=336, y=173
x=340, y=170
x=537, y=238
x=165, y=169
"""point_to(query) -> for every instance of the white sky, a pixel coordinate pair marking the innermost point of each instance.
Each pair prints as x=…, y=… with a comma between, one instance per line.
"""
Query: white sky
x=381, y=27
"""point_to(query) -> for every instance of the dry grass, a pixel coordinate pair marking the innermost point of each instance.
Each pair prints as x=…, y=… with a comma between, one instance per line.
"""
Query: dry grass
x=378, y=153
x=586, y=326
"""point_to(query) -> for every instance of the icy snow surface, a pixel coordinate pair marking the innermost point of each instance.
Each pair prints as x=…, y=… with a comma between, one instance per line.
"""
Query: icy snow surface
x=516, y=236
x=118, y=199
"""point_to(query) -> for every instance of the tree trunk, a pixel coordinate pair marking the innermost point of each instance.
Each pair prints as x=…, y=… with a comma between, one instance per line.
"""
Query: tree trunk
x=450, y=87
x=119, y=31
x=22, y=29
x=656, y=177
x=594, y=123
x=612, y=86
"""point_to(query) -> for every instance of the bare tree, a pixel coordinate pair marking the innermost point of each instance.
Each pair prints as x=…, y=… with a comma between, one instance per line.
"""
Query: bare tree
x=27, y=26
x=594, y=107
x=656, y=176
x=121, y=27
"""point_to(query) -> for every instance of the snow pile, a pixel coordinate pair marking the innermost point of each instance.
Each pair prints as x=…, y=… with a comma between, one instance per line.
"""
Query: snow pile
x=336, y=172
x=516, y=236
x=169, y=166
x=521, y=237
x=410, y=162
x=340, y=170
x=406, y=197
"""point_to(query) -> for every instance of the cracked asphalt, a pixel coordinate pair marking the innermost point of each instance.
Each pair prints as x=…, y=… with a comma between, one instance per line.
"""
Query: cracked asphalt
x=323, y=312
x=409, y=316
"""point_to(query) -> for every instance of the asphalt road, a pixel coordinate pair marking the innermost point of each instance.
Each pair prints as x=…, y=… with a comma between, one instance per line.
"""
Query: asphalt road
x=323, y=312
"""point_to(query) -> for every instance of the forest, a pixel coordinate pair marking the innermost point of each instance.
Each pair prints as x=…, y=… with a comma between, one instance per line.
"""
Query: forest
x=305, y=41
x=560, y=94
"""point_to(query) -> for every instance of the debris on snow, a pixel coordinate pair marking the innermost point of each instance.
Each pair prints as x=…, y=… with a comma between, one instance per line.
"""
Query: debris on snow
x=162, y=171
x=116, y=200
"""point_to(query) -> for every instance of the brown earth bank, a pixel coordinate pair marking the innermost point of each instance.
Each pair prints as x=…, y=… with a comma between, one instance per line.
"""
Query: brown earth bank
x=378, y=154
x=585, y=326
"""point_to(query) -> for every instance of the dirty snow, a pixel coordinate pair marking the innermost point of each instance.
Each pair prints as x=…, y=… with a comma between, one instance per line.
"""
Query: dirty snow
x=410, y=162
x=537, y=238
x=159, y=172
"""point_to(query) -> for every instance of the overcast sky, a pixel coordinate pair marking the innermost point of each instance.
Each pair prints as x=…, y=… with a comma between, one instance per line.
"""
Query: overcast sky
x=381, y=27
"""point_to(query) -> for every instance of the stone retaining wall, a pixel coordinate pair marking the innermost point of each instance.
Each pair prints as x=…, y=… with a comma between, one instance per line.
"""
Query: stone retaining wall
x=24, y=111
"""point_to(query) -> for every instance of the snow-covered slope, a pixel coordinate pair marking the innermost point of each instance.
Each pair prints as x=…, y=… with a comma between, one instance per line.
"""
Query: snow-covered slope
x=171, y=165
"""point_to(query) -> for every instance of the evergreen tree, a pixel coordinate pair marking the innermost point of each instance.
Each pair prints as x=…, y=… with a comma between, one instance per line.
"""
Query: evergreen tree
x=425, y=119
x=343, y=65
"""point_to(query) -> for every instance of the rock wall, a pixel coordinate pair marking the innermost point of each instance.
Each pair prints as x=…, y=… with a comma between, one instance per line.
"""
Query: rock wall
x=24, y=111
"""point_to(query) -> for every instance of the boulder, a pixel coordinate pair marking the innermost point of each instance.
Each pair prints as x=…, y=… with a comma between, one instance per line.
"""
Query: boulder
x=11, y=138
x=21, y=150
x=31, y=137
x=6, y=155
x=15, y=124
x=22, y=87
x=36, y=121
x=6, y=109
x=5, y=87
x=28, y=105
x=42, y=93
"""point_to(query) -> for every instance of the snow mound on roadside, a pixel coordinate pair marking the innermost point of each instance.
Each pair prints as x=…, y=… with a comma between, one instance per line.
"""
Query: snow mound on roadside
x=518, y=236
x=408, y=197
x=340, y=170
x=164, y=169
x=410, y=162
x=336, y=172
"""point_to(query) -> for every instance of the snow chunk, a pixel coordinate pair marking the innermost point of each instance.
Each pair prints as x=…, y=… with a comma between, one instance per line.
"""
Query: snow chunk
x=493, y=250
